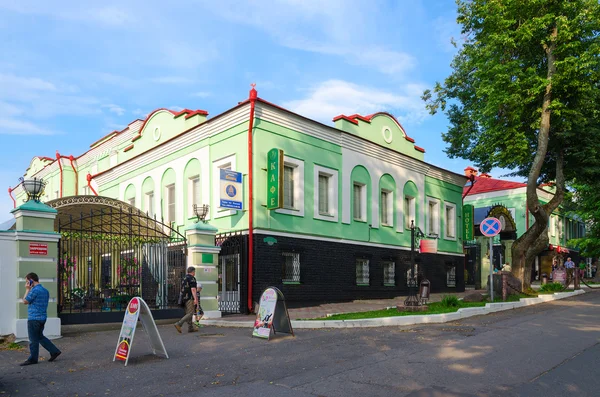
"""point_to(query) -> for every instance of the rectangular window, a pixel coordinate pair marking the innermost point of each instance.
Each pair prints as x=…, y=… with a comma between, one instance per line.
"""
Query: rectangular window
x=450, y=221
x=324, y=194
x=288, y=187
x=362, y=271
x=194, y=194
x=552, y=226
x=433, y=221
x=360, y=210
x=291, y=267
x=170, y=204
x=389, y=273
x=150, y=204
x=409, y=211
x=386, y=208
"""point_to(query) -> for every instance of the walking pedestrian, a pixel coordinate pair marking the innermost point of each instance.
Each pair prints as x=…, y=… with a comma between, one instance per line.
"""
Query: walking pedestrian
x=582, y=267
x=189, y=299
x=37, y=297
x=570, y=265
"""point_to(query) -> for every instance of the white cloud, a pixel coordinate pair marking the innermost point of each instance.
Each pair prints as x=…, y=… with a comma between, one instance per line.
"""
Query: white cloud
x=118, y=110
x=74, y=11
x=335, y=97
x=10, y=126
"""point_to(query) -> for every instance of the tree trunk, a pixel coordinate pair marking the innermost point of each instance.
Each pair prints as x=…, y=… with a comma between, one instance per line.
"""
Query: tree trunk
x=535, y=238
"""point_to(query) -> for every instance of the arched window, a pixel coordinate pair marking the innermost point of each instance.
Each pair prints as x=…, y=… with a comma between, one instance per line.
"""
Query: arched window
x=149, y=197
x=361, y=192
x=168, y=196
x=410, y=204
x=192, y=188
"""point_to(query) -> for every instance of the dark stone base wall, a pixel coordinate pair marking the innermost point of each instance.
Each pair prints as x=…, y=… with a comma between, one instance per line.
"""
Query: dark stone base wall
x=328, y=270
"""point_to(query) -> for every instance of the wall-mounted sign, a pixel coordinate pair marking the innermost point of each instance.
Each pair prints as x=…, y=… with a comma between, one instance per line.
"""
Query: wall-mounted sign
x=231, y=194
x=38, y=249
x=428, y=246
x=274, y=179
x=272, y=315
x=468, y=231
x=138, y=309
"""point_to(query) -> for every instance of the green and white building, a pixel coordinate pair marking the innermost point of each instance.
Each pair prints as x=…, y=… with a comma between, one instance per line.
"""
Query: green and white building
x=349, y=191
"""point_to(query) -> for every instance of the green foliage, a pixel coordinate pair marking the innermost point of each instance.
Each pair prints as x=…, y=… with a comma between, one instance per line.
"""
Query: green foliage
x=583, y=204
x=494, y=95
x=450, y=301
x=552, y=287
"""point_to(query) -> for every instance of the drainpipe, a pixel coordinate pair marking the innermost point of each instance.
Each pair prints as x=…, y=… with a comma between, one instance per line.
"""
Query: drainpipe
x=58, y=156
x=89, y=180
x=472, y=179
x=10, y=190
x=71, y=158
x=253, y=96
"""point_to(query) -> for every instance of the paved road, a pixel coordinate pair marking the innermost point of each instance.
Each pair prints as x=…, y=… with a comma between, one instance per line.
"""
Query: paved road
x=546, y=350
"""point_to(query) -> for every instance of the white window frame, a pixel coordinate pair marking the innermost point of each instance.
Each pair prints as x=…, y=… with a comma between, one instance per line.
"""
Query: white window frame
x=168, y=219
x=298, y=209
x=294, y=172
x=452, y=206
x=436, y=217
x=332, y=194
x=363, y=261
x=131, y=201
x=393, y=265
x=411, y=210
x=150, y=204
x=390, y=207
x=295, y=263
x=217, y=165
x=363, y=201
x=191, y=193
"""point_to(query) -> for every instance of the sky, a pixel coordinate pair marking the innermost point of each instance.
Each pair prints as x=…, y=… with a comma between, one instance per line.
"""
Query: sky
x=73, y=71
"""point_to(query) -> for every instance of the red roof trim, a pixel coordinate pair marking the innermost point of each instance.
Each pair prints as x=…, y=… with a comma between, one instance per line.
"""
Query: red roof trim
x=128, y=148
x=46, y=158
x=343, y=117
x=409, y=139
x=469, y=168
x=135, y=138
x=420, y=149
x=134, y=121
x=191, y=113
x=105, y=137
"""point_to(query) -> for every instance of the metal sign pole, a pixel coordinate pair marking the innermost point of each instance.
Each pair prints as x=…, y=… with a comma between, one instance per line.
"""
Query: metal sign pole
x=491, y=270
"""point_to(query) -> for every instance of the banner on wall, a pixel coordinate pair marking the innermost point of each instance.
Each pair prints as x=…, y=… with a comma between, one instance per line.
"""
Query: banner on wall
x=468, y=227
x=274, y=179
x=429, y=246
x=231, y=193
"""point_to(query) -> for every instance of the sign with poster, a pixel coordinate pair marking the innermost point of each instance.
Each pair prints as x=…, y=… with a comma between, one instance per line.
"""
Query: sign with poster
x=559, y=276
x=231, y=192
x=38, y=249
x=274, y=179
x=272, y=315
x=138, y=309
x=468, y=231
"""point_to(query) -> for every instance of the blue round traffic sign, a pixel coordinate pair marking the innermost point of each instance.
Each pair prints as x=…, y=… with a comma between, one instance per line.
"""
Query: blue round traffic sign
x=490, y=227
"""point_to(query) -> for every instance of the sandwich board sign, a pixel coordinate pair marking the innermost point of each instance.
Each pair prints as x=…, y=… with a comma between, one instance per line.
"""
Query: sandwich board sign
x=272, y=315
x=138, y=309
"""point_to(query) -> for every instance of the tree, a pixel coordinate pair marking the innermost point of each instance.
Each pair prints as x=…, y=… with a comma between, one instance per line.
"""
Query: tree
x=522, y=95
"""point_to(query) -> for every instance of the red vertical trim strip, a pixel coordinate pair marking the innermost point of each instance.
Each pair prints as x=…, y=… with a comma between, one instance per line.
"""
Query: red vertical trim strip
x=71, y=158
x=61, y=172
x=253, y=96
x=89, y=179
x=10, y=190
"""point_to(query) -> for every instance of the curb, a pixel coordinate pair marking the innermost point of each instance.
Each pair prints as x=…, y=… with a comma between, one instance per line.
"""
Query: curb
x=409, y=320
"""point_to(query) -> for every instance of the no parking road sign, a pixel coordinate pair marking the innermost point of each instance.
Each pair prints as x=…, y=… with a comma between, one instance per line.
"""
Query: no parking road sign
x=490, y=227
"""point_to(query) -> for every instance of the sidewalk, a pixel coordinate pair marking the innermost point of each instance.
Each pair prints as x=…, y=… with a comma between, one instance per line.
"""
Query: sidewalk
x=324, y=309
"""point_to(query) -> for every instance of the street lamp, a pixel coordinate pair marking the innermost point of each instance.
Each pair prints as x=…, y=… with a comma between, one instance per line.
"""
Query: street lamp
x=201, y=212
x=34, y=188
x=413, y=300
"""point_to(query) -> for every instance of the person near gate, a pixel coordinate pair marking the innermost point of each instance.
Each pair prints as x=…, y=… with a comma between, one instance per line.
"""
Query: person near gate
x=570, y=265
x=36, y=298
x=189, y=299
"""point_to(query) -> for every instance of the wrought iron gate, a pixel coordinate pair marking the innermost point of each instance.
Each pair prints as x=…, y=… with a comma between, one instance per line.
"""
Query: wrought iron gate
x=108, y=255
x=232, y=271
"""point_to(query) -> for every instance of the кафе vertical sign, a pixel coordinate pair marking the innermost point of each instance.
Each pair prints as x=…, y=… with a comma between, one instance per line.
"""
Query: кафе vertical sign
x=274, y=179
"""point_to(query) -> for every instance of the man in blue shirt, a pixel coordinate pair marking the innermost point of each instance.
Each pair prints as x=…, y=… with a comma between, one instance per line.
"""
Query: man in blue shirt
x=36, y=296
x=570, y=265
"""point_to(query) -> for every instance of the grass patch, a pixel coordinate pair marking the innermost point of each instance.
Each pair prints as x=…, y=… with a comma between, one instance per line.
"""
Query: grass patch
x=552, y=287
x=11, y=346
x=434, y=308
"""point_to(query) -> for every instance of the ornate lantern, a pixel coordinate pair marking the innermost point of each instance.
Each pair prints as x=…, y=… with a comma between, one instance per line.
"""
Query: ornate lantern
x=34, y=188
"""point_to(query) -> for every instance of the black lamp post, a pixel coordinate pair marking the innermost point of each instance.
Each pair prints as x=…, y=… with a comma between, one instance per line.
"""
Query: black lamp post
x=412, y=300
x=34, y=188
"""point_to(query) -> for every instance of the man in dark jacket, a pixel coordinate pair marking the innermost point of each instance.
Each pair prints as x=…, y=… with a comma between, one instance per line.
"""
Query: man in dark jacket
x=190, y=299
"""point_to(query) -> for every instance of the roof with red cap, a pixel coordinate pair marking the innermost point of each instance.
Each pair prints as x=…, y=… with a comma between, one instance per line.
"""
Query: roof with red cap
x=484, y=185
